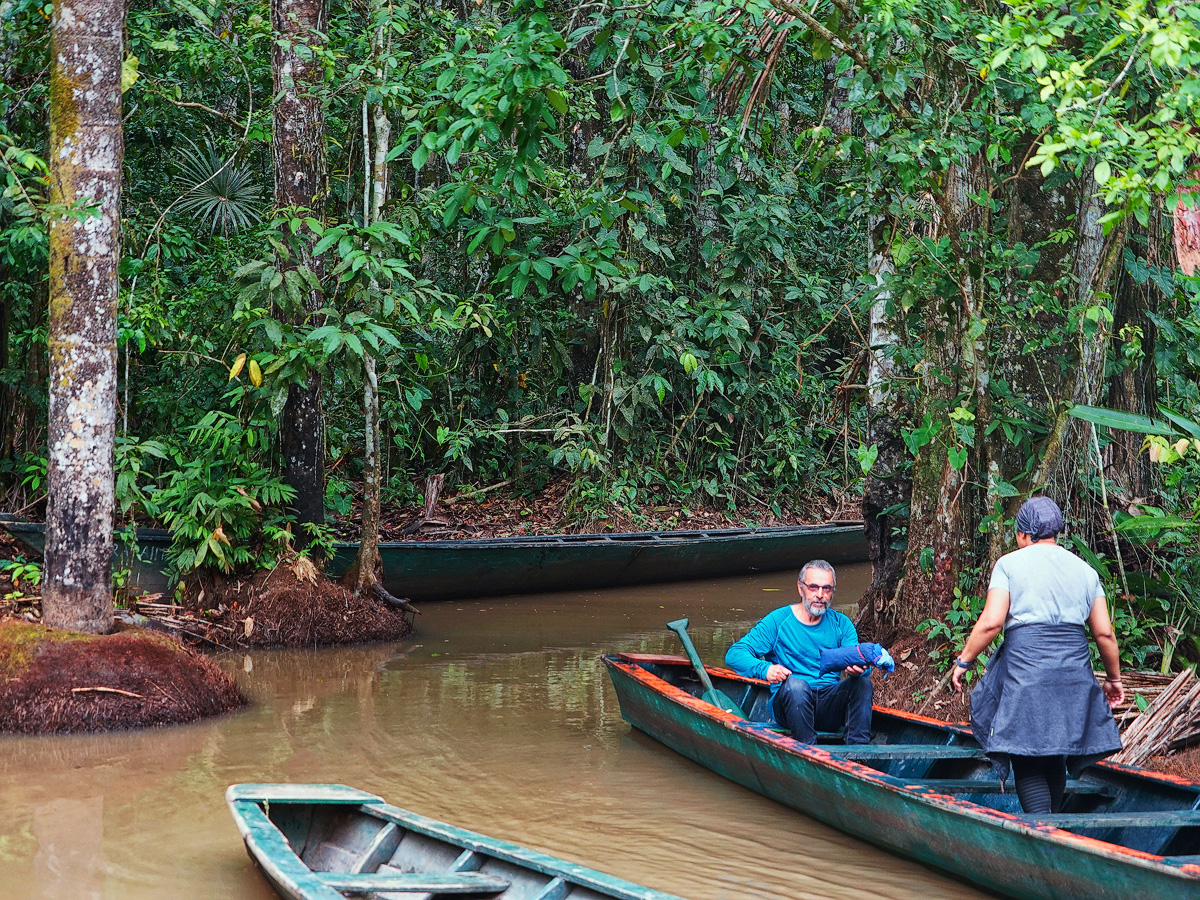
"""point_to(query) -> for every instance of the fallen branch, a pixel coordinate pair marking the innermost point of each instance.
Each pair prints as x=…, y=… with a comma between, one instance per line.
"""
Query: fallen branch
x=108, y=690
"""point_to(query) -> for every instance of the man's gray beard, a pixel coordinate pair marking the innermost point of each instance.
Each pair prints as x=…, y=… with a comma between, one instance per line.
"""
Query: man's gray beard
x=812, y=612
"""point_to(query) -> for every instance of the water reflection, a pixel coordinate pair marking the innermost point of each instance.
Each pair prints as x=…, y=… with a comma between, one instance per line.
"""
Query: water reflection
x=498, y=716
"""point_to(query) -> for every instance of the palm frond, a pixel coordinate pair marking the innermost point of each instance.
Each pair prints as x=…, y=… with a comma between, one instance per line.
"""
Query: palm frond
x=219, y=191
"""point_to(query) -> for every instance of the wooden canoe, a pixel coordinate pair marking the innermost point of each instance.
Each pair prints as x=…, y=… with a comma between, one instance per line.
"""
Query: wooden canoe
x=325, y=841
x=923, y=789
x=449, y=570
x=148, y=566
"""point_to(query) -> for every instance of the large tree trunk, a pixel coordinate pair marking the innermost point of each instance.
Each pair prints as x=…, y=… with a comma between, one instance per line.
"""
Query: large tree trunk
x=299, y=149
x=85, y=167
x=1133, y=384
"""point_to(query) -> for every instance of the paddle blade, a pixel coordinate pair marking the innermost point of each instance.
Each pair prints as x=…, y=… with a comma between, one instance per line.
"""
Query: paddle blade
x=721, y=700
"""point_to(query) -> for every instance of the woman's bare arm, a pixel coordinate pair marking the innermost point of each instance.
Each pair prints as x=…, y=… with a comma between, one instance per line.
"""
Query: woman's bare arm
x=1110, y=654
x=990, y=624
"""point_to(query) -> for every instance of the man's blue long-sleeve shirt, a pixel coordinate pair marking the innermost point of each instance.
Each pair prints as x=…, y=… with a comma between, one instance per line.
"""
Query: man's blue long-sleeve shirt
x=782, y=638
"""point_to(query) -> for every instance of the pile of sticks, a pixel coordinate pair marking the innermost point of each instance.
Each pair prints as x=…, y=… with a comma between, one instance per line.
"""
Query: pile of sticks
x=1141, y=690
x=172, y=619
x=1171, y=722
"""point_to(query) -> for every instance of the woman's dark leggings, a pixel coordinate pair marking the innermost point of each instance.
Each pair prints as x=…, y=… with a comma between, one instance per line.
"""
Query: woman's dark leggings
x=1041, y=781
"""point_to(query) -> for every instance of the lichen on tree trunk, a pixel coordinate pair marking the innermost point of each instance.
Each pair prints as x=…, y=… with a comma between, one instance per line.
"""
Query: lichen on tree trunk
x=300, y=182
x=85, y=171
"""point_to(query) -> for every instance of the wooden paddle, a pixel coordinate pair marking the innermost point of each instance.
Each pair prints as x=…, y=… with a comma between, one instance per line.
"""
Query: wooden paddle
x=711, y=695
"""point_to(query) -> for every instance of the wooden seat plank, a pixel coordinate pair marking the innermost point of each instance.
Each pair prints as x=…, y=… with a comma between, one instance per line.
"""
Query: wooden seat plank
x=1157, y=818
x=902, y=751
x=993, y=786
x=418, y=882
x=557, y=889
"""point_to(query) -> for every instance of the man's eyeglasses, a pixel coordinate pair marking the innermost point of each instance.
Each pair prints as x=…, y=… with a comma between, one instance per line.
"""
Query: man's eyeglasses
x=821, y=588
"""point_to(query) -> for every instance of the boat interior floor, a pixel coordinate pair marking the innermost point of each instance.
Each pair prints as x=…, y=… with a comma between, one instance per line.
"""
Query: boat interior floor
x=1158, y=817
x=367, y=849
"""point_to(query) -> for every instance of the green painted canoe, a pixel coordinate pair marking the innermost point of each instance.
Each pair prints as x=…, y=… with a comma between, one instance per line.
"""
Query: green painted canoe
x=448, y=570
x=924, y=790
x=148, y=566
x=322, y=841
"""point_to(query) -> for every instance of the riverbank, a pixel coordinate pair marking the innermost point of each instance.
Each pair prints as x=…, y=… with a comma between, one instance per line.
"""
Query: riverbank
x=498, y=510
x=64, y=682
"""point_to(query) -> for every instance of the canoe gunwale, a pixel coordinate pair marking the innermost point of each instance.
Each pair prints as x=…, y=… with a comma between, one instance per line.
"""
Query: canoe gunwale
x=1188, y=873
x=631, y=538
x=269, y=847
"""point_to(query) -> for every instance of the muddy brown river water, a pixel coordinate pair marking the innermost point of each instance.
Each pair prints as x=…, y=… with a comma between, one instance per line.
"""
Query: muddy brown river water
x=498, y=716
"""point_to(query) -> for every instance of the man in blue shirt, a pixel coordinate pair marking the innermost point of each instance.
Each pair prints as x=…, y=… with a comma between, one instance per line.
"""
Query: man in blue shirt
x=785, y=649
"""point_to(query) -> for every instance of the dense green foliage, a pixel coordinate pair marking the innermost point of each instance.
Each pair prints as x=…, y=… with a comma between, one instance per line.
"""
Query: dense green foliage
x=659, y=250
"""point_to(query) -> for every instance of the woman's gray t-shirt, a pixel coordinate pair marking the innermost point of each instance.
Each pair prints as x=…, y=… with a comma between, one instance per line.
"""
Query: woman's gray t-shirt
x=1047, y=585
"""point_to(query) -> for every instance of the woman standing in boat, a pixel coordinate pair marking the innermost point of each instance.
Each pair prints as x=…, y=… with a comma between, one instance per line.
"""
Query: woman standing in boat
x=1039, y=707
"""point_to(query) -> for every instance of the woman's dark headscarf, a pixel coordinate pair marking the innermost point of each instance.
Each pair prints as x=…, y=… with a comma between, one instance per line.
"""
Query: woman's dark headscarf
x=1040, y=518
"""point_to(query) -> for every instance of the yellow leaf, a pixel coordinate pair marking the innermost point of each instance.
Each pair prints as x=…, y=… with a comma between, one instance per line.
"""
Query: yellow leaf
x=1181, y=446
x=129, y=72
x=236, y=369
x=219, y=535
x=255, y=374
x=1156, y=452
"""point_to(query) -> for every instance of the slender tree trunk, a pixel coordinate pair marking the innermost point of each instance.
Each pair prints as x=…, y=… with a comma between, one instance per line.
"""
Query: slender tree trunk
x=888, y=486
x=363, y=572
x=85, y=167
x=299, y=150
x=366, y=569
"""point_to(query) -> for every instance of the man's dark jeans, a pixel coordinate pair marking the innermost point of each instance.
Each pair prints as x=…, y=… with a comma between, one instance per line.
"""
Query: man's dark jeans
x=805, y=709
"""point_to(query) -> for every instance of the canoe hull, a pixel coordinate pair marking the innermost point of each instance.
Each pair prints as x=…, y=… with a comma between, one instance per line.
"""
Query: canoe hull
x=313, y=841
x=450, y=570
x=994, y=850
x=147, y=566
x=447, y=570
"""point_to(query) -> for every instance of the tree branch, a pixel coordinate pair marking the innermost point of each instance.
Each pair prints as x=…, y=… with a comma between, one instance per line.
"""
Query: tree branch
x=208, y=109
x=820, y=30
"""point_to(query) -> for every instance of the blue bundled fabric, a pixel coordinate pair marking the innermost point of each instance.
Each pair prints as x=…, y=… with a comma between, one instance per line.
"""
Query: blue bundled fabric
x=857, y=655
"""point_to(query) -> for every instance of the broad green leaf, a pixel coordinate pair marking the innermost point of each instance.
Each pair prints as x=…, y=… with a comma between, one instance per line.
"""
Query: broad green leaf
x=1185, y=424
x=1123, y=421
x=1150, y=527
x=196, y=13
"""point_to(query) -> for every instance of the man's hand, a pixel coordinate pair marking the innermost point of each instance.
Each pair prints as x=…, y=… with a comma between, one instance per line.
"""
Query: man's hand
x=853, y=671
x=778, y=673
